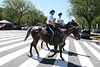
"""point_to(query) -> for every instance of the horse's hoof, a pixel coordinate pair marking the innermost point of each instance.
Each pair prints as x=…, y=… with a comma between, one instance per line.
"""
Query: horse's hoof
x=63, y=49
x=38, y=56
x=30, y=55
x=42, y=47
x=63, y=59
x=48, y=48
x=49, y=56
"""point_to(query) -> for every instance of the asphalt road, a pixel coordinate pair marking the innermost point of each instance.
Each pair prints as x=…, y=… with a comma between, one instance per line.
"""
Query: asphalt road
x=14, y=52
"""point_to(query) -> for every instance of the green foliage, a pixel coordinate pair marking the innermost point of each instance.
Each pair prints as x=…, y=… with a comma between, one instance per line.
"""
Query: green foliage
x=87, y=9
x=22, y=12
x=82, y=22
x=1, y=10
x=34, y=17
x=96, y=21
x=54, y=20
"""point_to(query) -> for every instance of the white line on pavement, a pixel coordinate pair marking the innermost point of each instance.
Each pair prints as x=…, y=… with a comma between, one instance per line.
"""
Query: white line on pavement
x=13, y=55
x=85, y=61
x=96, y=45
x=14, y=45
x=33, y=62
x=11, y=38
x=10, y=35
x=97, y=54
x=11, y=41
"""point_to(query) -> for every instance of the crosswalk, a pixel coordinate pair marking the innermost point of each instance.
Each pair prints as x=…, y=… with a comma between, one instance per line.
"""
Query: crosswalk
x=14, y=52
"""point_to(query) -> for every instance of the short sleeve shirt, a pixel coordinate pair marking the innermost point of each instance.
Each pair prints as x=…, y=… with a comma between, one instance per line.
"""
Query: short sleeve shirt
x=58, y=19
x=50, y=17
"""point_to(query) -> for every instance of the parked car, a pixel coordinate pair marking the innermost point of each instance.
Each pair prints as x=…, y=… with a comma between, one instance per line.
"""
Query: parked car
x=5, y=26
x=17, y=27
x=25, y=28
x=85, y=34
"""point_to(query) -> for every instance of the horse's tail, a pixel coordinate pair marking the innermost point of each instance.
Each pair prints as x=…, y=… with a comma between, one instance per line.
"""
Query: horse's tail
x=28, y=33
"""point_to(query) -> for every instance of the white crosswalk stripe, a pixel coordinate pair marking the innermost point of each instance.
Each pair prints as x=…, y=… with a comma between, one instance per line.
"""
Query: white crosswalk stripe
x=2, y=43
x=97, y=54
x=10, y=35
x=82, y=58
x=97, y=46
x=13, y=55
x=10, y=38
x=14, y=45
x=29, y=62
x=18, y=41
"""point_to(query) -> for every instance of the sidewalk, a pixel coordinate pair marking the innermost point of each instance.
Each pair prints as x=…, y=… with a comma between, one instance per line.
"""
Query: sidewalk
x=95, y=37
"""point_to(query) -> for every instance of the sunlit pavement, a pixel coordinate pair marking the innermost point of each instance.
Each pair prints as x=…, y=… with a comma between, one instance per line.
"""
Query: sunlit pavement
x=14, y=52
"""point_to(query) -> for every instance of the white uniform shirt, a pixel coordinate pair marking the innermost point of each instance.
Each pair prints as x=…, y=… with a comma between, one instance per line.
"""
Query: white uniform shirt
x=58, y=19
x=50, y=17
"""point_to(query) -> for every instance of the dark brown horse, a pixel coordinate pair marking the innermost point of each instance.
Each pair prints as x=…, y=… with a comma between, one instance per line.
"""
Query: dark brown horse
x=59, y=39
x=62, y=27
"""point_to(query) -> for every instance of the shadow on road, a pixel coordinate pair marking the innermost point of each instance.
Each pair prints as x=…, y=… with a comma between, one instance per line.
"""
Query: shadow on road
x=59, y=63
x=70, y=53
x=75, y=54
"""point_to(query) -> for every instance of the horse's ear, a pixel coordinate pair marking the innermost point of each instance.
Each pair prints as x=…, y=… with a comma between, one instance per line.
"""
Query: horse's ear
x=77, y=27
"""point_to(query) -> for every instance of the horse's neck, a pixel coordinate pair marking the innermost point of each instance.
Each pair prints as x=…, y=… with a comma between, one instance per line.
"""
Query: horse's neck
x=68, y=32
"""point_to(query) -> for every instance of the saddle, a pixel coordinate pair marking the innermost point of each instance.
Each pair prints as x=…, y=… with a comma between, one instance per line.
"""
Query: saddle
x=46, y=32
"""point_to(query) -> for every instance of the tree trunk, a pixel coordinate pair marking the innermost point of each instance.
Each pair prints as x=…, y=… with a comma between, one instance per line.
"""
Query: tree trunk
x=19, y=21
x=89, y=27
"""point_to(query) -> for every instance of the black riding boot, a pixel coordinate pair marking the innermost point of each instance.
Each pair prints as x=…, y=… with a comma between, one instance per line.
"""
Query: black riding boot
x=51, y=40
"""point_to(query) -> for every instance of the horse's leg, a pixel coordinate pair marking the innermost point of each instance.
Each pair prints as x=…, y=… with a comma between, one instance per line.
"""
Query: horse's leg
x=61, y=52
x=42, y=44
x=35, y=43
x=55, y=50
x=63, y=49
x=47, y=46
x=31, y=49
x=63, y=46
x=36, y=50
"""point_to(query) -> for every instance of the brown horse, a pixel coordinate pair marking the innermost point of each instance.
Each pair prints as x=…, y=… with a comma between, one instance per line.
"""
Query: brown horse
x=62, y=27
x=59, y=39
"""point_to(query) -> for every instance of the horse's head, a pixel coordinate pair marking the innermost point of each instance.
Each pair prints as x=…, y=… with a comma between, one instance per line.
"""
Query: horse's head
x=76, y=33
x=75, y=29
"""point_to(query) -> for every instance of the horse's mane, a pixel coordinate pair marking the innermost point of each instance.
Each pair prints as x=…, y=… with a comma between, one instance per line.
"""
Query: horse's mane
x=71, y=24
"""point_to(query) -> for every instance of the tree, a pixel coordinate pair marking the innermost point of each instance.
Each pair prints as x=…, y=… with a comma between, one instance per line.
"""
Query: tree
x=87, y=9
x=1, y=10
x=22, y=12
x=17, y=8
x=9, y=14
x=96, y=23
x=34, y=17
x=82, y=22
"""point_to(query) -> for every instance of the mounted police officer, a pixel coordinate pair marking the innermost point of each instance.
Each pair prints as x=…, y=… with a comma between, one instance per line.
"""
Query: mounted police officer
x=51, y=25
x=58, y=20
